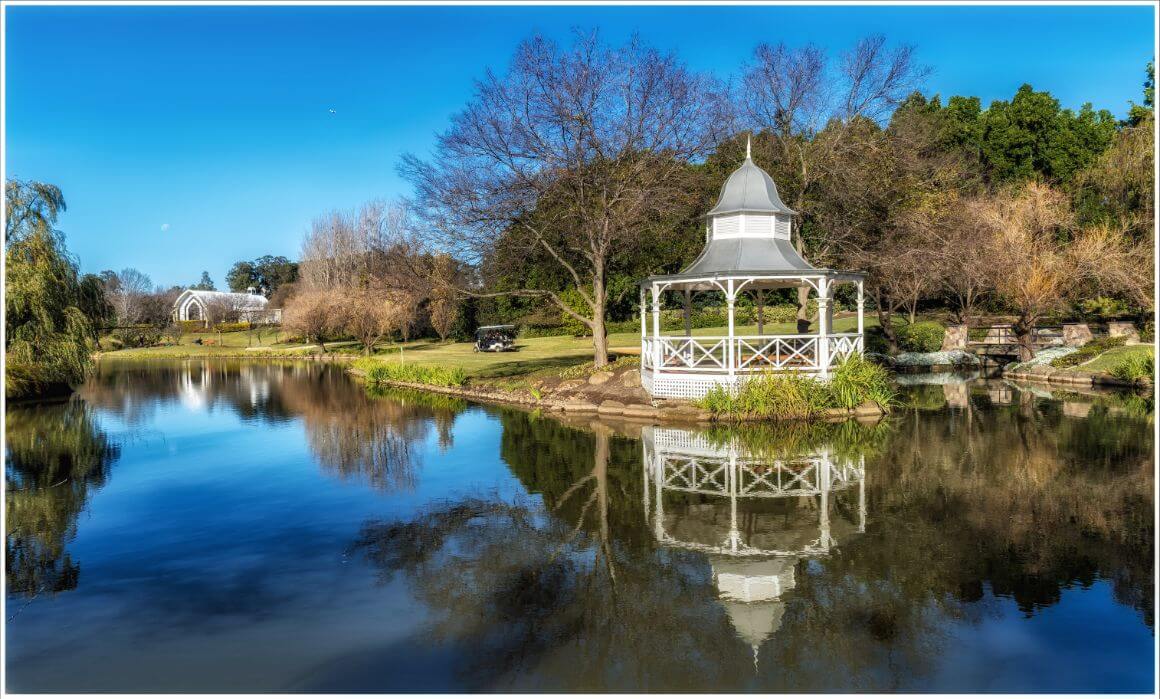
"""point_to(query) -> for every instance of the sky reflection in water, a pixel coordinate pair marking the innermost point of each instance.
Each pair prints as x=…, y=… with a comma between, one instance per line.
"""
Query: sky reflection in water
x=221, y=526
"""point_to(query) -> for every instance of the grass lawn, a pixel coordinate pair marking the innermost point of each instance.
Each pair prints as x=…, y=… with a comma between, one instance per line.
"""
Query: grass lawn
x=1110, y=359
x=534, y=355
x=233, y=344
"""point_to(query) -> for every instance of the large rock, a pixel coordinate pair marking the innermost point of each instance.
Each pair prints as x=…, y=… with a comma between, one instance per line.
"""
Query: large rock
x=689, y=413
x=611, y=407
x=1076, y=377
x=600, y=377
x=1125, y=329
x=632, y=378
x=579, y=406
x=639, y=410
x=955, y=338
x=1076, y=334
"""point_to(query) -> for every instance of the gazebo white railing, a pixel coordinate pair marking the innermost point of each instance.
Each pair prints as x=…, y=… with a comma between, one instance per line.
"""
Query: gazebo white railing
x=688, y=366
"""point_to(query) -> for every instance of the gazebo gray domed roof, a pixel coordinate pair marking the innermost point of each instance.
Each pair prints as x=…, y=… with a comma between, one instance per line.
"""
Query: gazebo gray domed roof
x=739, y=255
x=749, y=190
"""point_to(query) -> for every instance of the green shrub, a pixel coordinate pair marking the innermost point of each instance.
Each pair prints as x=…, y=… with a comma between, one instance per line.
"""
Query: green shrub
x=1102, y=308
x=789, y=396
x=782, y=397
x=781, y=313
x=377, y=372
x=1092, y=349
x=1148, y=333
x=33, y=380
x=1134, y=367
x=137, y=336
x=543, y=331
x=923, y=336
x=857, y=380
x=231, y=327
x=192, y=326
x=876, y=340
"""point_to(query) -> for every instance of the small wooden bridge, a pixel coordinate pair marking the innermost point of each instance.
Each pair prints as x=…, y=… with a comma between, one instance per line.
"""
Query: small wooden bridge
x=1000, y=341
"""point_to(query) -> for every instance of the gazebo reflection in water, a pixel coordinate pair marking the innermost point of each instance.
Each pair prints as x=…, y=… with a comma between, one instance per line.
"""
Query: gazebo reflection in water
x=754, y=515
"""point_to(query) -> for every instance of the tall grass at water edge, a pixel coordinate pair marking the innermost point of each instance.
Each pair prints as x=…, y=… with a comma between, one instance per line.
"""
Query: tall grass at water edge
x=788, y=396
x=377, y=371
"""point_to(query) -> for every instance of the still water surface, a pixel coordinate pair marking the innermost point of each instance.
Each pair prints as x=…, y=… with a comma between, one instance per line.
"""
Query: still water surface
x=217, y=526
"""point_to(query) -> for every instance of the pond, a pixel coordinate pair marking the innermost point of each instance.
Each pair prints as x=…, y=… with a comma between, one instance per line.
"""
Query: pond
x=217, y=526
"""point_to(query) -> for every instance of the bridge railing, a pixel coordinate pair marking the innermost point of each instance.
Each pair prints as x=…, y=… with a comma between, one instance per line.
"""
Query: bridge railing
x=1005, y=335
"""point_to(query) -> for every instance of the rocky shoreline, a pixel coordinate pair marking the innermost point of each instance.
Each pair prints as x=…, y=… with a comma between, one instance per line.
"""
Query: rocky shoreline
x=1045, y=373
x=615, y=393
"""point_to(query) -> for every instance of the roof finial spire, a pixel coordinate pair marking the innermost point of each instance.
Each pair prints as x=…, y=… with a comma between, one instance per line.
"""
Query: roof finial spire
x=748, y=149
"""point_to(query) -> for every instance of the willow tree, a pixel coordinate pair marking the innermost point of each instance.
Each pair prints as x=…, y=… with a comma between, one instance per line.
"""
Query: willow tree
x=573, y=154
x=47, y=344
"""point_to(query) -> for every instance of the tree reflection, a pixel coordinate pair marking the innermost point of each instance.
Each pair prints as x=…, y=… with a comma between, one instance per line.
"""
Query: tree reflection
x=56, y=455
x=356, y=434
x=561, y=600
x=1033, y=500
x=857, y=586
x=373, y=440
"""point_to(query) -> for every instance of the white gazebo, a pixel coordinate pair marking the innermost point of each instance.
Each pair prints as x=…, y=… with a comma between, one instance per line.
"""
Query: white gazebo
x=748, y=250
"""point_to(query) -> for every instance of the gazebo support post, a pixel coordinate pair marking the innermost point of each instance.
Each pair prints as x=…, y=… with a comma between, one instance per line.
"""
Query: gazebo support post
x=861, y=322
x=688, y=313
x=731, y=352
x=761, y=311
x=656, y=323
x=823, y=328
x=643, y=315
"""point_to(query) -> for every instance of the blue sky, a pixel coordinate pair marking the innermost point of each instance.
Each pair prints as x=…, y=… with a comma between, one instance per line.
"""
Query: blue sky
x=186, y=138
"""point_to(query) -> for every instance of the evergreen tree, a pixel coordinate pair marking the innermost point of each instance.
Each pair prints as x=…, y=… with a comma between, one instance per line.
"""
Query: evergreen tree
x=206, y=284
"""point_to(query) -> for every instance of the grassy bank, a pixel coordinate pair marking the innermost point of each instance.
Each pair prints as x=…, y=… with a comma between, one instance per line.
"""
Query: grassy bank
x=533, y=355
x=1121, y=358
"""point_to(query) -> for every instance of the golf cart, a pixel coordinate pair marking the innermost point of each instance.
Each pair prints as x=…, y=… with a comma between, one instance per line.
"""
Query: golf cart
x=495, y=338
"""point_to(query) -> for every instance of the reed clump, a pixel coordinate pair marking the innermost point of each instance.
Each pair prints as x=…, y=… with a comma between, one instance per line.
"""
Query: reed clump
x=853, y=382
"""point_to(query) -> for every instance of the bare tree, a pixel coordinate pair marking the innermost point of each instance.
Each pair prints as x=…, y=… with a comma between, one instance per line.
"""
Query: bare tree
x=573, y=153
x=354, y=249
x=128, y=290
x=370, y=314
x=444, y=313
x=1041, y=261
x=313, y=314
x=225, y=308
x=814, y=115
x=963, y=272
